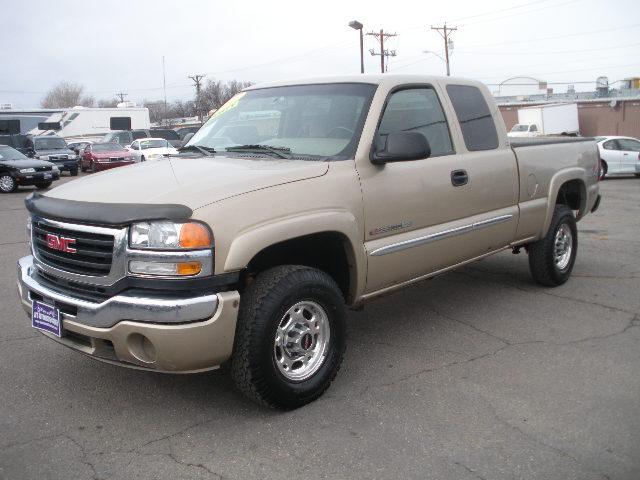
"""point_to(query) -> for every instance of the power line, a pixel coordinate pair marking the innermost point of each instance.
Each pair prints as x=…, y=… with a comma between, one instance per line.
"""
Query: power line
x=555, y=5
x=384, y=54
x=511, y=42
x=558, y=52
x=492, y=12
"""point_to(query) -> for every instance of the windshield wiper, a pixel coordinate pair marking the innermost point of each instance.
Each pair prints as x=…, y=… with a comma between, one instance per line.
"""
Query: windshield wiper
x=206, y=151
x=282, y=152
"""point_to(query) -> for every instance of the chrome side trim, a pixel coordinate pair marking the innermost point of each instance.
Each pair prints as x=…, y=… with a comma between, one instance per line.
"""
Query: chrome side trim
x=434, y=237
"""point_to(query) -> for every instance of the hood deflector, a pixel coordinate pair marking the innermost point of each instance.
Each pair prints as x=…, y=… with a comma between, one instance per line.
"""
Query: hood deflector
x=112, y=214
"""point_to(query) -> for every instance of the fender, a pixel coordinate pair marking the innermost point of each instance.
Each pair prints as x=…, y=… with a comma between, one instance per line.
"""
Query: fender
x=249, y=243
x=560, y=178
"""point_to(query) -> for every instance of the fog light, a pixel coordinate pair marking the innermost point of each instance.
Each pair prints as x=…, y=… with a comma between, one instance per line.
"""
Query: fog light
x=162, y=268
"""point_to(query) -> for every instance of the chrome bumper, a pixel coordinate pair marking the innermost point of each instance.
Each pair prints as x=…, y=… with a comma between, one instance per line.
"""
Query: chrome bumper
x=151, y=332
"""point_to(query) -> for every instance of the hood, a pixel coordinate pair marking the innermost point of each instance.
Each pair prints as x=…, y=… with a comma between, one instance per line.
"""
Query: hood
x=189, y=181
x=26, y=163
x=61, y=151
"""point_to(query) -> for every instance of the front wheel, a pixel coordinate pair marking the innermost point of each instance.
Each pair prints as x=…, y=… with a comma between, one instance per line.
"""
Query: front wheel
x=551, y=258
x=73, y=172
x=142, y=159
x=290, y=337
x=8, y=184
x=93, y=167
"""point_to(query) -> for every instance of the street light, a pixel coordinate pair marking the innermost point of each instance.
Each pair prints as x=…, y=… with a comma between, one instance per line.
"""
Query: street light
x=358, y=26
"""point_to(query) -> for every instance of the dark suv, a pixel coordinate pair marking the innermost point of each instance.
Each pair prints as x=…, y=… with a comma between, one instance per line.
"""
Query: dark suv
x=53, y=149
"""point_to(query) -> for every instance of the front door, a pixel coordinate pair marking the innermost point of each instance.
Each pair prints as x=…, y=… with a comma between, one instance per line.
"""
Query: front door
x=424, y=215
x=630, y=150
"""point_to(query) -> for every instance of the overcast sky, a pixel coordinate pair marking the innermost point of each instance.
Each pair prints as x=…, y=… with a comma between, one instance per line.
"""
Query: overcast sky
x=110, y=46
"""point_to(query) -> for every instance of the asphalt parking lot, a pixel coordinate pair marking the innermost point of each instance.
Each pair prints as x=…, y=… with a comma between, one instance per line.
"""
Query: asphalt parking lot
x=477, y=374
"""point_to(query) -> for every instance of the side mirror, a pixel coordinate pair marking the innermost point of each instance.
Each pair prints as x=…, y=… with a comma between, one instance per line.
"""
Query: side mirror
x=400, y=146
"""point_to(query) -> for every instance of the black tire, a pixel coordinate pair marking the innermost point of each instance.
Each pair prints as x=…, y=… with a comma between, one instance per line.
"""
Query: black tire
x=93, y=167
x=604, y=168
x=82, y=168
x=73, y=172
x=637, y=175
x=142, y=159
x=542, y=263
x=43, y=185
x=8, y=184
x=264, y=304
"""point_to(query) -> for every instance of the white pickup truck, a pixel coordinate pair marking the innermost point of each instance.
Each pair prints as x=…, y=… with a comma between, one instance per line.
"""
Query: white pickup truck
x=294, y=201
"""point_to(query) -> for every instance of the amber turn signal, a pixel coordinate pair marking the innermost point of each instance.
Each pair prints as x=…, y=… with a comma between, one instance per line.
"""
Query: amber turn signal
x=188, y=268
x=195, y=235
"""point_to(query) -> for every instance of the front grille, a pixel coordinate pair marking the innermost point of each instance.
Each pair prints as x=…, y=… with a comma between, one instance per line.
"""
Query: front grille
x=90, y=293
x=94, y=252
x=116, y=159
x=58, y=157
x=43, y=169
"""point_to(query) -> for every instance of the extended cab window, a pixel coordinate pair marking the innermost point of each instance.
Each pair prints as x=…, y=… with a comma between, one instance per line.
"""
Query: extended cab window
x=629, y=145
x=478, y=128
x=417, y=110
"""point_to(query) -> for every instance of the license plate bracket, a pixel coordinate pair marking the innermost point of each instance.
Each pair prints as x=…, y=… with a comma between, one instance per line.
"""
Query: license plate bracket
x=46, y=318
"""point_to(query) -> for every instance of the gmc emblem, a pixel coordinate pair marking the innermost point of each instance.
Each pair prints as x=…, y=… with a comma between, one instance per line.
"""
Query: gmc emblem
x=54, y=242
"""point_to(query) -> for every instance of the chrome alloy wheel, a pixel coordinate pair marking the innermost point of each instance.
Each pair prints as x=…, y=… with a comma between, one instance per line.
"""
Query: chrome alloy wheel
x=302, y=340
x=7, y=183
x=562, y=247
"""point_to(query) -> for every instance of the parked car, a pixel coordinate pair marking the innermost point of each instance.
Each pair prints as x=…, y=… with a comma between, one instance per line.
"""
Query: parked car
x=16, y=141
x=184, y=131
x=124, y=137
x=187, y=137
x=79, y=147
x=619, y=155
x=53, y=149
x=103, y=156
x=18, y=170
x=249, y=256
x=171, y=135
x=151, y=148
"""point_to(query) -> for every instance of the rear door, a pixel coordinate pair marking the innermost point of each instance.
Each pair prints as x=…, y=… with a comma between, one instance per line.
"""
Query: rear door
x=630, y=154
x=424, y=215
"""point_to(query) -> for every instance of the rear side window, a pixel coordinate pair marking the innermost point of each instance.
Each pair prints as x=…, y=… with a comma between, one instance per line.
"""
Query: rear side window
x=610, y=145
x=417, y=110
x=478, y=128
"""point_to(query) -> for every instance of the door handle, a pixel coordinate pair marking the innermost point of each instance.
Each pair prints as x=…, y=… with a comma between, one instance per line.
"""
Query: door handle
x=459, y=178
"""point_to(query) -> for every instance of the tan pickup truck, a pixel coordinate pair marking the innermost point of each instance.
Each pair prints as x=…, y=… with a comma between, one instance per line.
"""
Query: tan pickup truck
x=293, y=202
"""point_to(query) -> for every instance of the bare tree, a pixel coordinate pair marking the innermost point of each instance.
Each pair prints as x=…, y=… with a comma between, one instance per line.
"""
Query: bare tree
x=66, y=95
x=156, y=110
x=108, y=103
x=215, y=93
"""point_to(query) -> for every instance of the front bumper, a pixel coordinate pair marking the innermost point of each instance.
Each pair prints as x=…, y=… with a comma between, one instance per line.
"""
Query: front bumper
x=149, y=332
x=101, y=166
x=34, y=178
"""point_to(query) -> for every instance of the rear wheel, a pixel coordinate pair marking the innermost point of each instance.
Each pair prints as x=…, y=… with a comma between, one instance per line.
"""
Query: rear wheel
x=290, y=337
x=8, y=184
x=604, y=168
x=551, y=258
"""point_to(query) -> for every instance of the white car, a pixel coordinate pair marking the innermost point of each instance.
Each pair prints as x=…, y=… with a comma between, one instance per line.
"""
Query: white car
x=151, y=148
x=619, y=155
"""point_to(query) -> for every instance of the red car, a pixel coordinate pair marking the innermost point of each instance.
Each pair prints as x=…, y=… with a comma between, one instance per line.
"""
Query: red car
x=102, y=156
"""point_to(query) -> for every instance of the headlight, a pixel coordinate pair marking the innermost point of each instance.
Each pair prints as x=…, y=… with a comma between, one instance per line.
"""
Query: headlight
x=170, y=236
x=27, y=170
x=43, y=157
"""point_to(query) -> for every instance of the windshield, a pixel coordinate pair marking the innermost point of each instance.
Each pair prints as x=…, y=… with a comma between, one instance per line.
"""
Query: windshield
x=153, y=143
x=8, y=153
x=317, y=121
x=50, y=143
x=107, y=147
x=520, y=128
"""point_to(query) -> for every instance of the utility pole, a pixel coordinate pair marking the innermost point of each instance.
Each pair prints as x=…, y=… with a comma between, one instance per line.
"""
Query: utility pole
x=164, y=88
x=197, y=82
x=444, y=32
x=381, y=36
x=121, y=95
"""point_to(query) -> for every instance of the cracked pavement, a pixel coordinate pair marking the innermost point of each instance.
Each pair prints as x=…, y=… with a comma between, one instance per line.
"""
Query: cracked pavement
x=477, y=374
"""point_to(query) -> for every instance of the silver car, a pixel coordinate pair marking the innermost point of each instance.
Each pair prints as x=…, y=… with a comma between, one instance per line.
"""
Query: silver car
x=619, y=155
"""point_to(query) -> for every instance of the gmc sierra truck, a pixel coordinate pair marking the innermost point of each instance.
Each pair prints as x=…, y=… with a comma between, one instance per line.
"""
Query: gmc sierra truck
x=293, y=202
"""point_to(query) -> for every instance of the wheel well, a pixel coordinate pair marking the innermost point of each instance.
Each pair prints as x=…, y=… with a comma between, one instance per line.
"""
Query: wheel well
x=327, y=251
x=571, y=194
